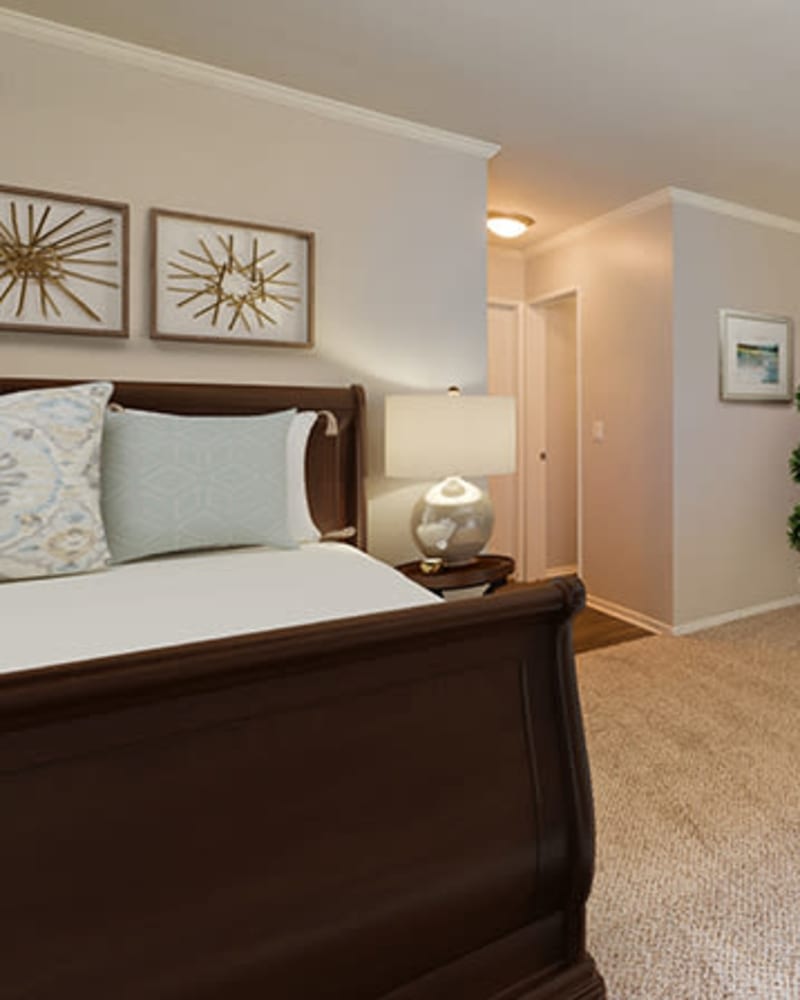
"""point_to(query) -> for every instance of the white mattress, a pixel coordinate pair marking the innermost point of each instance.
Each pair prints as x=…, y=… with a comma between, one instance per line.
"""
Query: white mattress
x=187, y=598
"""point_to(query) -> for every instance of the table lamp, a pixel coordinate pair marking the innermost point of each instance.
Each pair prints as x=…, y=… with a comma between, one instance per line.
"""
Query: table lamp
x=450, y=435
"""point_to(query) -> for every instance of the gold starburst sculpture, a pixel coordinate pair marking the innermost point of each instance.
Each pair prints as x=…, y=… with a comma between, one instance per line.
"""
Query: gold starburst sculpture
x=41, y=263
x=247, y=291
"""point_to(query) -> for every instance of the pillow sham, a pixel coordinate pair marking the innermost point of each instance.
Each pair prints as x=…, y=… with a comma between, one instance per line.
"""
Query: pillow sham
x=174, y=483
x=50, y=520
x=301, y=523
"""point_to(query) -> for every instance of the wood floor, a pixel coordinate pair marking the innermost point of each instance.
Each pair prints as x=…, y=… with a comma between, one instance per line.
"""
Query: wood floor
x=592, y=629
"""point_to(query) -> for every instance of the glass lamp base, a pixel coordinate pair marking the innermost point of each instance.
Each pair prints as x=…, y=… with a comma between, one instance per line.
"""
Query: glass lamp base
x=452, y=521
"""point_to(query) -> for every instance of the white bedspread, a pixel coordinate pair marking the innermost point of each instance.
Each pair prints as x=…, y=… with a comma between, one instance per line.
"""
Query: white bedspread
x=187, y=598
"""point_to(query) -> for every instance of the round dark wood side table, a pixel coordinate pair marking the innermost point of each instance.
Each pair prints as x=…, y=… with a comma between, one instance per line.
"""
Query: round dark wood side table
x=489, y=571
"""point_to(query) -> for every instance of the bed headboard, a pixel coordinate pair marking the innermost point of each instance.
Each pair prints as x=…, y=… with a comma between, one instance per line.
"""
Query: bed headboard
x=334, y=462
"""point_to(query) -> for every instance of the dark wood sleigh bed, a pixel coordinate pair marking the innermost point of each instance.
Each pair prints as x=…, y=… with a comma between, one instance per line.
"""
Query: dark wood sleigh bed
x=395, y=806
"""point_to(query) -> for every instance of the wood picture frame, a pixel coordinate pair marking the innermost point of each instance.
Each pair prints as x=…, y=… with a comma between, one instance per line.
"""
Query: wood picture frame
x=229, y=281
x=63, y=263
x=756, y=357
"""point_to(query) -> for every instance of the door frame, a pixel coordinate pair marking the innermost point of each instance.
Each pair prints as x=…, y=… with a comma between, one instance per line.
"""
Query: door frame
x=532, y=413
x=534, y=335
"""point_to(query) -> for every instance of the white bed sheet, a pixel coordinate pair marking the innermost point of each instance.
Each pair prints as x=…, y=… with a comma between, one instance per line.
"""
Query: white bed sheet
x=194, y=597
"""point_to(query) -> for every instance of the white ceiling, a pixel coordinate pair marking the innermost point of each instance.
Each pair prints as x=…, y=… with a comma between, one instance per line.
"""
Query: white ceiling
x=594, y=102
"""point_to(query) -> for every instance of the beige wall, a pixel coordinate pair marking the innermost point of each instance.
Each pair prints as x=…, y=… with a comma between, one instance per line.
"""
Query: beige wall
x=505, y=288
x=685, y=501
x=398, y=304
x=732, y=487
x=505, y=274
x=623, y=272
x=503, y=334
x=561, y=433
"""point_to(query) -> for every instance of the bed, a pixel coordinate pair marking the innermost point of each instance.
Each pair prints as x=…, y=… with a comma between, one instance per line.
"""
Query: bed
x=383, y=806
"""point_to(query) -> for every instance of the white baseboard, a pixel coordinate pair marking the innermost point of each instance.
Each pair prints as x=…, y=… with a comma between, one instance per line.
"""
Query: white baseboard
x=560, y=571
x=627, y=615
x=661, y=628
x=732, y=616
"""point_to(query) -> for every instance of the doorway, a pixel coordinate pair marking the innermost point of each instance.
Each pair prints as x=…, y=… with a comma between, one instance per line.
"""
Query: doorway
x=534, y=354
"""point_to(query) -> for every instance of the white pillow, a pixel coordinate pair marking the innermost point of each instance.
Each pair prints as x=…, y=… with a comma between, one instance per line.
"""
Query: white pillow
x=176, y=483
x=50, y=522
x=301, y=523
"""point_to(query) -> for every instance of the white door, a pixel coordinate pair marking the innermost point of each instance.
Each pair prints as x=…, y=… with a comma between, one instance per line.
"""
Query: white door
x=532, y=355
x=561, y=435
x=533, y=451
x=515, y=369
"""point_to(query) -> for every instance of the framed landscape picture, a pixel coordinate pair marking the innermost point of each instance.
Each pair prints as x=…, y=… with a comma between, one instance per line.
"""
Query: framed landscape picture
x=63, y=263
x=756, y=357
x=230, y=282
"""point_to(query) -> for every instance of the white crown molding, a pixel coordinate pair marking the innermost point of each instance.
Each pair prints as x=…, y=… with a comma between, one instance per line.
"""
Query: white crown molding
x=645, y=204
x=89, y=43
x=721, y=207
x=667, y=196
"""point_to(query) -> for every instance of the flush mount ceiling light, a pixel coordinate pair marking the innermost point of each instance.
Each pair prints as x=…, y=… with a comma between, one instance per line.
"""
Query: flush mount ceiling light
x=508, y=224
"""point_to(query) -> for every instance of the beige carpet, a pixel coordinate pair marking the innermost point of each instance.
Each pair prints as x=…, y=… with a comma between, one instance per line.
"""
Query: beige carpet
x=694, y=746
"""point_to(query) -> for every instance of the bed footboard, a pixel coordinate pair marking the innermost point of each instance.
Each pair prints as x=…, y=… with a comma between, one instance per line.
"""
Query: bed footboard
x=394, y=807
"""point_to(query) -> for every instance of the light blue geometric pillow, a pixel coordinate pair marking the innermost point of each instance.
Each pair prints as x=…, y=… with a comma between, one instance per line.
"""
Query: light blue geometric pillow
x=173, y=483
x=50, y=521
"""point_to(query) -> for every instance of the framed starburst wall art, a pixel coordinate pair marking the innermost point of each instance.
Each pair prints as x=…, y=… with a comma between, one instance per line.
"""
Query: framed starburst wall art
x=63, y=264
x=230, y=282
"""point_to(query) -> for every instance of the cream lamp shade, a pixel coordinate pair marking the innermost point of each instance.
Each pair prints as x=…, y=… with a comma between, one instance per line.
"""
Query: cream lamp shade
x=430, y=436
x=450, y=435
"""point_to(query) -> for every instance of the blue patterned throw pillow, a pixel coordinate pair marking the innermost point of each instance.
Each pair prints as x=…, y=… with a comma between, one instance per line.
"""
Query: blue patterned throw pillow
x=50, y=520
x=173, y=483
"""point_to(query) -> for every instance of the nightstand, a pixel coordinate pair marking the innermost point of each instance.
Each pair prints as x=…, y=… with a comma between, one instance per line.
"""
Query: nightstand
x=490, y=572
